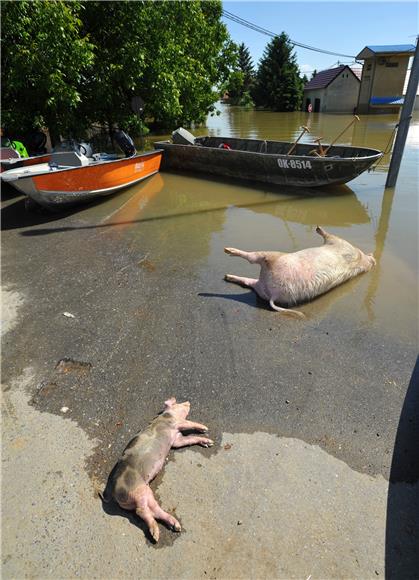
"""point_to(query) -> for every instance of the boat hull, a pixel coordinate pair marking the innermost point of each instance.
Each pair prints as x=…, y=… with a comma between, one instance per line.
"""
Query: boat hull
x=57, y=188
x=254, y=164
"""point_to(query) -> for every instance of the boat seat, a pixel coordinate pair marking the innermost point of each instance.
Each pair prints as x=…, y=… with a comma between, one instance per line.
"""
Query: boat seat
x=69, y=159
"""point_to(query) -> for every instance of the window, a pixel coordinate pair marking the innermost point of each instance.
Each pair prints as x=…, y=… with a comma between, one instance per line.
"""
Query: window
x=392, y=64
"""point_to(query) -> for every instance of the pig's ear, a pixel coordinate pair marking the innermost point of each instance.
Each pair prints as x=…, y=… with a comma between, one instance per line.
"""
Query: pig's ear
x=170, y=402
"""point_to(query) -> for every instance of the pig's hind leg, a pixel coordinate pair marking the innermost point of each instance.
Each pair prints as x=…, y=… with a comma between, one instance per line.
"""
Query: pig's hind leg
x=163, y=516
x=247, y=282
x=146, y=514
x=252, y=257
x=149, y=510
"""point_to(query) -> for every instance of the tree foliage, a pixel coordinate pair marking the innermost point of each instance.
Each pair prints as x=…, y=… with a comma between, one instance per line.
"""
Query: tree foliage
x=241, y=79
x=44, y=57
x=278, y=83
x=171, y=54
x=69, y=64
x=246, y=66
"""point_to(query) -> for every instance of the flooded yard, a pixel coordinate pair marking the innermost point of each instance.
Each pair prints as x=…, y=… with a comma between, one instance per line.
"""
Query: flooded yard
x=258, y=217
x=116, y=306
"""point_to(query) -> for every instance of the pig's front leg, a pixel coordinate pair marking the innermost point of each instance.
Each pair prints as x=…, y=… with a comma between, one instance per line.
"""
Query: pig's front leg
x=185, y=440
x=189, y=425
x=247, y=282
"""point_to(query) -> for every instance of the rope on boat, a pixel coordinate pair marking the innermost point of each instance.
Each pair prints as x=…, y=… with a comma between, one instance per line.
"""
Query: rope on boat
x=386, y=150
x=264, y=145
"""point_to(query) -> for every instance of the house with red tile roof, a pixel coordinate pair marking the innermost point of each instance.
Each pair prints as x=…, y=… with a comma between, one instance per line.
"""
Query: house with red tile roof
x=334, y=90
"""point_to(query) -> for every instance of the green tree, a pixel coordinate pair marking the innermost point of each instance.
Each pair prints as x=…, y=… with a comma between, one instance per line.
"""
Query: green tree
x=241, y=79
x=172, y=54
x=44, y=57
x=234, y=87
x=119, y=32
x=278, y=83
x=313, y=74
x=191, y=61
x=69, y=64
x=245, y=65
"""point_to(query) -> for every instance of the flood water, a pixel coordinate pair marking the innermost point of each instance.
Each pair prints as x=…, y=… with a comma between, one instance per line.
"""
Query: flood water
x=196, y=216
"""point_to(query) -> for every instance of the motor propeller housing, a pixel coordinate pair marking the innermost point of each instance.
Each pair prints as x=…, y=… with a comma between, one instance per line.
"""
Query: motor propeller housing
x=124, y=142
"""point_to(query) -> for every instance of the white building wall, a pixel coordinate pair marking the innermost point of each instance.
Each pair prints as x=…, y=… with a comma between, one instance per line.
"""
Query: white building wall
x=342, y=93
x=341, y=96
x=314, y=94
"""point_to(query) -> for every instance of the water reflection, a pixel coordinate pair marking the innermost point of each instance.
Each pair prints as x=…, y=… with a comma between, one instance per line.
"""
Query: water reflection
x=380, y=239
x=342, y=211
x=129, y=211
x=183, y=195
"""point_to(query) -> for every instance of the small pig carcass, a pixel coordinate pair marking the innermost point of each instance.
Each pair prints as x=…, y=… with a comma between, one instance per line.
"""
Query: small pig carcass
x=143, y=458
x=297, y=277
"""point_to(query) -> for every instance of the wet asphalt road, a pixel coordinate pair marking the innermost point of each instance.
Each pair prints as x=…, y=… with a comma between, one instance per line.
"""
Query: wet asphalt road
x=153, y=319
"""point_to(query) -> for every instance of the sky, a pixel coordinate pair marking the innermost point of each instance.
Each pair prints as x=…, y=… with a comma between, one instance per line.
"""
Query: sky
x=336, y=26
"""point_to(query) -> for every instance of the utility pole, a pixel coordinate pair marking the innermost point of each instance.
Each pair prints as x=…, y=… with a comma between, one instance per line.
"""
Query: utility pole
x=405, y=116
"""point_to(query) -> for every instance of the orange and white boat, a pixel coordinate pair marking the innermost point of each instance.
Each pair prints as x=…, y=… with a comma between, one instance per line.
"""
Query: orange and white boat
x=71, y=177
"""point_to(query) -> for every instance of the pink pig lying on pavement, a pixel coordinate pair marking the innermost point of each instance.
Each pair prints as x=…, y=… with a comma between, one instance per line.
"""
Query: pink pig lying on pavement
x=301, y=276
x=144, y=457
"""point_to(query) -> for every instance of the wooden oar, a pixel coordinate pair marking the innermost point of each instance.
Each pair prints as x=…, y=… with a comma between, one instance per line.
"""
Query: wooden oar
x=294, y=145
x=356, y=118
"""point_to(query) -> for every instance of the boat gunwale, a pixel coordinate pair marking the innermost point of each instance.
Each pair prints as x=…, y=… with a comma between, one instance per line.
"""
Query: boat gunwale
x=378, y=154
x=30, y=174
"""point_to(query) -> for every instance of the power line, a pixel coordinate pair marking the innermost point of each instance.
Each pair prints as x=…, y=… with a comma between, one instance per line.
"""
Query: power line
x=257, y=28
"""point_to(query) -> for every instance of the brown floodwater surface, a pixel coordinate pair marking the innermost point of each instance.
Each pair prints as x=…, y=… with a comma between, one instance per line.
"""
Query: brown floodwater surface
x=193, y=217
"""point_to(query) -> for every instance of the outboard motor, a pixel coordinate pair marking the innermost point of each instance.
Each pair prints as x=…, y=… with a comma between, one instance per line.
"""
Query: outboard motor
x=36, y=142
x=125, y=142
x=81, y=148
x=182, y=137
x=84, y=149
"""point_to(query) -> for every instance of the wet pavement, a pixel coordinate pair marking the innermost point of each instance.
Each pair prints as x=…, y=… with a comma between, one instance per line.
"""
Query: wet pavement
x=311, y=418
